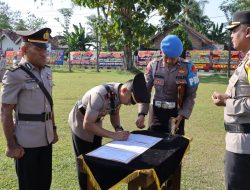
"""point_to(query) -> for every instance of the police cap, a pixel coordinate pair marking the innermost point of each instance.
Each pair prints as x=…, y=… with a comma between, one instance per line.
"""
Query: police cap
x=38, y=38
x=240, y=17
x=139, y=90
x=171, y=46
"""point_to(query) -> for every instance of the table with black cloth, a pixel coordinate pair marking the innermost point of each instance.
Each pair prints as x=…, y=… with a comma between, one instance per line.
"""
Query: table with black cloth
x=156, y=164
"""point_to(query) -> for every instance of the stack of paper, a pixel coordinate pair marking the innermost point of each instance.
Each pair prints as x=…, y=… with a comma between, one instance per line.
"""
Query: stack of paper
x=125, y=151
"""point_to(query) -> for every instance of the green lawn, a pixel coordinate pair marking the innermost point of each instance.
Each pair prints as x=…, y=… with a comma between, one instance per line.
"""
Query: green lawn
x=202, y=166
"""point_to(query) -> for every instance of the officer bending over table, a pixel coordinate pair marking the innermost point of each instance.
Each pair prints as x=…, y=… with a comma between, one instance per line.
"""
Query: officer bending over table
x=85, y=119
x=175, y=82
x=30, y=131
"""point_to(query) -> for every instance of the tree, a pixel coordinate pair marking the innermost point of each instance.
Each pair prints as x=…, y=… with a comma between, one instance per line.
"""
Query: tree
x=34, y=23
x=129, y=19
x=231, y=6
x=13, y=19
x=67, y=14
x=217, y=34
x=21, y=25
x=78, y=40
x=8, y=18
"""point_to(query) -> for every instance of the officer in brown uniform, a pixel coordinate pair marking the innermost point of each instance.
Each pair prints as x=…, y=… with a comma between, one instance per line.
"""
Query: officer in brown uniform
x=27, y=113
x=175, y=82
x=236, y=102
x=85, y=119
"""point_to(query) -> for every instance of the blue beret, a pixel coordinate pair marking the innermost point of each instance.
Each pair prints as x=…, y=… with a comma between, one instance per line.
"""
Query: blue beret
x=172, y=46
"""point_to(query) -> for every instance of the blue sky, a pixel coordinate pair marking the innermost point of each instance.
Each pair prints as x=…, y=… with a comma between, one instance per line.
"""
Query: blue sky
x=80, y=14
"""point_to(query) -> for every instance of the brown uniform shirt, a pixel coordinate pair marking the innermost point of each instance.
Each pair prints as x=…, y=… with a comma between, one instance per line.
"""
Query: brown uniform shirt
x=96, y=103
x=20, y=89
x=165, y=82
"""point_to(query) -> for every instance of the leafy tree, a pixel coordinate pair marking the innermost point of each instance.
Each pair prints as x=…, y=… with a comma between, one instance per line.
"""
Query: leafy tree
x=231, y=6
x=217, y=34
x=8, y=18
x=192, y=13
x=78, y=40
x=128, y=18
x=21, y=25
x=13, y=20
x=67, y=14
x=34, y=23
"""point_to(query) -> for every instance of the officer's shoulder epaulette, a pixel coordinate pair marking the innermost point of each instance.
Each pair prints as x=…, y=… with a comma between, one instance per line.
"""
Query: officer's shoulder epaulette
x=13, y=69
x=47, y=66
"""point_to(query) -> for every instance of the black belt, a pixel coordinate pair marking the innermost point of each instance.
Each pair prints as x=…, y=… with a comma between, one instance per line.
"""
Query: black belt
x=35, y=117
x=237, y=128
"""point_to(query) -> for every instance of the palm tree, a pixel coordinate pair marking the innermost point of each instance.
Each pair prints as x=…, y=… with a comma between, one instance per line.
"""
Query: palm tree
x=78, y=40
x=192, y=11
x=217, y=34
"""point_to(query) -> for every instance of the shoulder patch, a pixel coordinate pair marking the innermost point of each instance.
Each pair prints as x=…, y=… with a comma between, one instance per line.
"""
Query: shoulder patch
x=193, y=79
x=247, y=68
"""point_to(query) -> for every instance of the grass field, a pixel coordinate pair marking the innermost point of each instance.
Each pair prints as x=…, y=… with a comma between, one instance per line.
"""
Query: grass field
x=202, y=166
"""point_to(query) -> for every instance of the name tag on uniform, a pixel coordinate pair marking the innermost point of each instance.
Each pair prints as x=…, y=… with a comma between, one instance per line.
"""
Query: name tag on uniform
x=159, y=82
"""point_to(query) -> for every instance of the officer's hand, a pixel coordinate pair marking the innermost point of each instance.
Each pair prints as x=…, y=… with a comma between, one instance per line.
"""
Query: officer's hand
x=140, y=121
x=219, y=99
x=121, y=135
x=55, y=137
x=178, y=120
x=15, y=152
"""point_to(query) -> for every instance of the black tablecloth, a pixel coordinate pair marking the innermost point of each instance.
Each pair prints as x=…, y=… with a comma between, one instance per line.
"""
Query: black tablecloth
x=164, y=157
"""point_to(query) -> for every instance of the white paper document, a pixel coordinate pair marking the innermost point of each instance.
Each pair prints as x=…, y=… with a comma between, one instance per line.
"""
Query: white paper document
x=125, y=151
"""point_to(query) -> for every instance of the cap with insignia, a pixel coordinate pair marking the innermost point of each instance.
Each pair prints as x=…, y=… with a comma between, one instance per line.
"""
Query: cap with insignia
x=139, y=90
x=38, y=38
x=240, y=17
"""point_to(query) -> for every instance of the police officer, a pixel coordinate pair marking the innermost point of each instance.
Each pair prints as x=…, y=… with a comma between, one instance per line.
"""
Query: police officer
x=85, y=119
x=237, y=109
x=27, y=113
x=175, y=82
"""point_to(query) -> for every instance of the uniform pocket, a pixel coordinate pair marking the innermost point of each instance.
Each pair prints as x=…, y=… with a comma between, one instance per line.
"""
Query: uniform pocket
x=31, y=86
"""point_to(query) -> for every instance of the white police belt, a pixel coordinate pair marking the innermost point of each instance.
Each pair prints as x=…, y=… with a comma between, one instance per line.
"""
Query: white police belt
x=164, y=104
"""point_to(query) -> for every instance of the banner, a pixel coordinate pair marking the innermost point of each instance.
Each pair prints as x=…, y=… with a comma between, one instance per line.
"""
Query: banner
x=82, y=58
x=56, y=57
x=10, y=56
x=198, y=56
x=201, y=58
x=53, y=57
x=105, y=58
x=111, y=58
x=144, y=57
x=220, y=59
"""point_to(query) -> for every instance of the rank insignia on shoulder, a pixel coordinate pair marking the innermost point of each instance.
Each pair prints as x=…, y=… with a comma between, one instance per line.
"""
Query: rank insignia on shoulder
x=181, y=70
x=28, y=66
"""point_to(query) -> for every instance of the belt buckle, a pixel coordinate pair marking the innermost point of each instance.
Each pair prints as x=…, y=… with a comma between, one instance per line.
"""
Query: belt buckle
x=165, y=105
x=158, y=104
